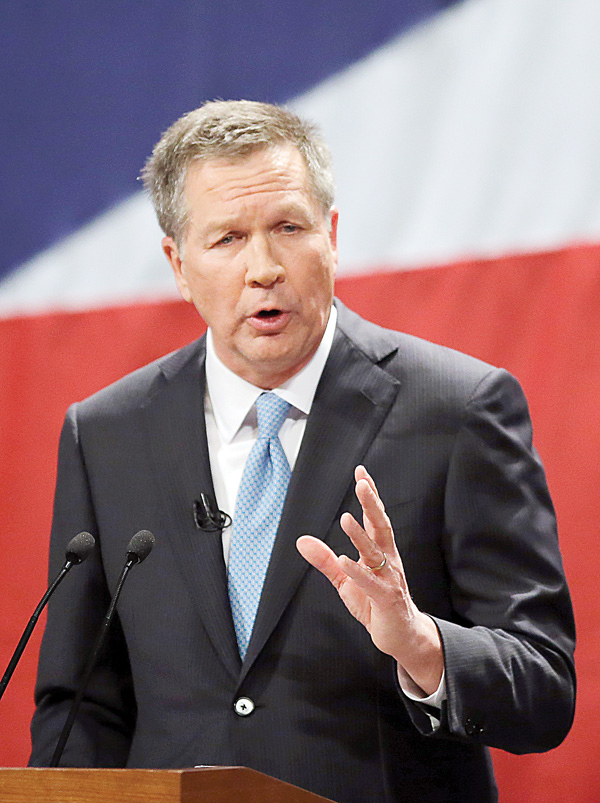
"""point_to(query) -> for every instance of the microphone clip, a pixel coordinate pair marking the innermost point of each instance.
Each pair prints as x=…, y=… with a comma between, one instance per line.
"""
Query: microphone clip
x=208, y=517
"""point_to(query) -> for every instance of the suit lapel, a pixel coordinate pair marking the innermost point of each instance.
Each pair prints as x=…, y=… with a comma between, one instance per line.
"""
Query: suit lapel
x=353, y=397
x=176, y=434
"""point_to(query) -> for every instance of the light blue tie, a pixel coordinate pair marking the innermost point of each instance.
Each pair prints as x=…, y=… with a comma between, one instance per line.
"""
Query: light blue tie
x=257, y=512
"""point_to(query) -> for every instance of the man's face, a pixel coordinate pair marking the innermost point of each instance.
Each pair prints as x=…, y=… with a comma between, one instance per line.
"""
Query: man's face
x=258, y=261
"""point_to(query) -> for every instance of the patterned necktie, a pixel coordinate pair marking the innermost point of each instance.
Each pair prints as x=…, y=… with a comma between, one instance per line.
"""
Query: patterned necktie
x=257, y=512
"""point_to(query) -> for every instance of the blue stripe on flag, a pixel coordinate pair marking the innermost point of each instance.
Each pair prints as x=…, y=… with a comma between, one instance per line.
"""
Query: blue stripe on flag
x=88, y=87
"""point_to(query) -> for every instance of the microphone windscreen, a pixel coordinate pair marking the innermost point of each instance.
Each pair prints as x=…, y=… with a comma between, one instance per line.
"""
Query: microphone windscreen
x=79, y=547
x=141, y=545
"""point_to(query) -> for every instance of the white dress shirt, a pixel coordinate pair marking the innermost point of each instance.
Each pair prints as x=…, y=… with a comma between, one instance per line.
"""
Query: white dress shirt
x=232, y=430
x=231, y=425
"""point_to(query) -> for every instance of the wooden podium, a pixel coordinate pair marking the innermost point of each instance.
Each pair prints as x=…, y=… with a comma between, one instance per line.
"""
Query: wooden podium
x=202, y=785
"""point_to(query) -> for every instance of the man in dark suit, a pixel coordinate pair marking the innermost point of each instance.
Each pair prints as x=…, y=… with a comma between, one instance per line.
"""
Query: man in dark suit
x=439, y=625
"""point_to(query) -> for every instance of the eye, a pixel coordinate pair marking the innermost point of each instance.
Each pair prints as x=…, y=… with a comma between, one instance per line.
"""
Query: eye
x=227, y=240
x=289, y=228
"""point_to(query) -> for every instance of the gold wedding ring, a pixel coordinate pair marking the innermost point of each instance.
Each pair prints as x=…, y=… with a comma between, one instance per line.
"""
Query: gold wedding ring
x=381, y=565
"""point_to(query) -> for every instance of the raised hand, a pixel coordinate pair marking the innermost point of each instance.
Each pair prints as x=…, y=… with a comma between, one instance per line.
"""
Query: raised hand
x=375, y=591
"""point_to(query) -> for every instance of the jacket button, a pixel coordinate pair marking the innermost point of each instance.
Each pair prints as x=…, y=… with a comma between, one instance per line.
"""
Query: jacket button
x=243, y=706
x=473, y=726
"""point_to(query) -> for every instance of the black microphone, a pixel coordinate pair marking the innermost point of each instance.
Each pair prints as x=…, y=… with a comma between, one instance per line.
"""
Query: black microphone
x=138, y=550
x=78, y=548
x=207, y=515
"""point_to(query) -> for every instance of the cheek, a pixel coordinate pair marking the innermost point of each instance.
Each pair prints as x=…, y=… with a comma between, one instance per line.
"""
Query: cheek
x=320, y=280
x=204, y=282
x=216, y=299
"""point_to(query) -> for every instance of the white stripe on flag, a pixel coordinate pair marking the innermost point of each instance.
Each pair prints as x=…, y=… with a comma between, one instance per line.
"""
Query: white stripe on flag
x=475, y=135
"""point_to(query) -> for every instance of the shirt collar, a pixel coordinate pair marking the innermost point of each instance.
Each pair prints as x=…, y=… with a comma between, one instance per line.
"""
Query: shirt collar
x=231, y=397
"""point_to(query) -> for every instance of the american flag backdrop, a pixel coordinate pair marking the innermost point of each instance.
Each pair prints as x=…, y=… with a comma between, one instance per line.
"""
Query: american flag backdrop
x=466, y=141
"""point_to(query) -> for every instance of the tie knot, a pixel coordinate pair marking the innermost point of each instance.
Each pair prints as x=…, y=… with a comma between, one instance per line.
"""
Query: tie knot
x=271, y=411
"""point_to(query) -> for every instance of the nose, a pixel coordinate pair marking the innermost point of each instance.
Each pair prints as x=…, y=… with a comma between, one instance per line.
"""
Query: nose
x=262, y=267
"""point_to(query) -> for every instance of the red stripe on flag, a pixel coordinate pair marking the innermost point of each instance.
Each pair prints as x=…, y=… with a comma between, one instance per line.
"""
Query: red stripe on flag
x=46, y=363
x=536, y=315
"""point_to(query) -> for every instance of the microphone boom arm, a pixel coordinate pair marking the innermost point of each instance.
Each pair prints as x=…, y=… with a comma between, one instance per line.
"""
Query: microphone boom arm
x=78, y=548
x=139, y=547
x=29, y=629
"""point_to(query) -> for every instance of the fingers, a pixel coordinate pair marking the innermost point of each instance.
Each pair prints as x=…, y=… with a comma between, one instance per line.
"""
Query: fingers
x=370, y=552
x=374, y=541
x=377, y=525
x=361, y=473
x=319, y=555
x=368, y=580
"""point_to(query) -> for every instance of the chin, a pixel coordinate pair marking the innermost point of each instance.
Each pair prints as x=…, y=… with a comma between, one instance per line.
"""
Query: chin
x=274, y=366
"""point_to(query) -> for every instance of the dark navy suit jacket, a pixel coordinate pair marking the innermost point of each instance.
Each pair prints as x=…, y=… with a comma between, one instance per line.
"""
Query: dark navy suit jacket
x=447, y=439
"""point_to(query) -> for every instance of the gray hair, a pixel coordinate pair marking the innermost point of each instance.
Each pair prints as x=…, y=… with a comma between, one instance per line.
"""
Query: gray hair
x=230, y=129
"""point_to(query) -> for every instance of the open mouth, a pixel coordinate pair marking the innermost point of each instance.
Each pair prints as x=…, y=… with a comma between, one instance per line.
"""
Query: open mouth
x=269, y=321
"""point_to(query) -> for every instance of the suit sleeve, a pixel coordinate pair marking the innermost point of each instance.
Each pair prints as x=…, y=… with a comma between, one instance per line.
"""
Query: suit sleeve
x=102, y=732
x=508, y=650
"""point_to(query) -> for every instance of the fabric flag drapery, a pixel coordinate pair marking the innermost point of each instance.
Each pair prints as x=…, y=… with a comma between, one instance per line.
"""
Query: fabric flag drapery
x=465, y=140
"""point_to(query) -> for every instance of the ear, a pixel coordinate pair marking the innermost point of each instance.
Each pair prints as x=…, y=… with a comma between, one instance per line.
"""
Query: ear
x=333, y=227
x=171, y=250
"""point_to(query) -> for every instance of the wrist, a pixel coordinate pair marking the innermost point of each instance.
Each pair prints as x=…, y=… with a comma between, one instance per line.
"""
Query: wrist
x=421, y=664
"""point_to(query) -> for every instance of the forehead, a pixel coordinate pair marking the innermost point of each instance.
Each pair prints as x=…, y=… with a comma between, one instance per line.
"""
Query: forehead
x=272, y=171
